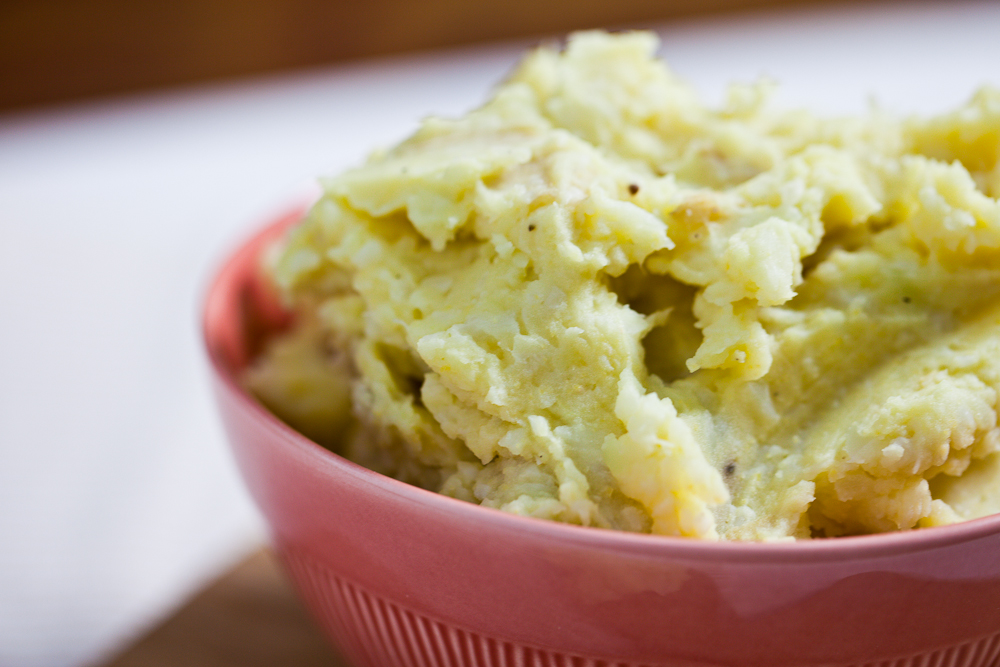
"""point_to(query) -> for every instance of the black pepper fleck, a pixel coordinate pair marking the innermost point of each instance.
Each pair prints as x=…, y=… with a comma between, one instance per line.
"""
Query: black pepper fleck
x=633, y=189
x=730, y=468
x=531, y=228
x=906, y=299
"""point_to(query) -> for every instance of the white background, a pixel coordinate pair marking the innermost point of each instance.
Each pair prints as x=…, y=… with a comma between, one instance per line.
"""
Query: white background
x=117, y=495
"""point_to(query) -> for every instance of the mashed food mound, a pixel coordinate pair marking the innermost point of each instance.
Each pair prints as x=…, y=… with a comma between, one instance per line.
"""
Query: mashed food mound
x=597, y=300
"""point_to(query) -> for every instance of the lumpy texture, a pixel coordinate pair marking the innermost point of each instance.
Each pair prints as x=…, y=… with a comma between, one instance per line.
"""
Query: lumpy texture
x=597, y=300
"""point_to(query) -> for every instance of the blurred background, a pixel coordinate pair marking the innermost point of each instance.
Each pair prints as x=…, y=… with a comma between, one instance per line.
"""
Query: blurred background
x=58, y=50
x=140, y=141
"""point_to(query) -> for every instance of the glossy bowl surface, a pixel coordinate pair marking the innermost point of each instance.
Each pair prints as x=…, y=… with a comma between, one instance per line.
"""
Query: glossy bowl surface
x=399, y=576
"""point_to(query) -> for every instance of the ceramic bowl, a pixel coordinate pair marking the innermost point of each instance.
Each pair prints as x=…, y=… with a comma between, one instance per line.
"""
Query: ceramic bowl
x=398, y=576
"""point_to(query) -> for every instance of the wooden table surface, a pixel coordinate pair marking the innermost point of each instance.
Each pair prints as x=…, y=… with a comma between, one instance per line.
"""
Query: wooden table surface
x=250, y=617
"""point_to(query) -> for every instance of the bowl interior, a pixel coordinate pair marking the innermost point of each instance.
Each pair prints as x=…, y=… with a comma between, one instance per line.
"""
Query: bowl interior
x=243, y=310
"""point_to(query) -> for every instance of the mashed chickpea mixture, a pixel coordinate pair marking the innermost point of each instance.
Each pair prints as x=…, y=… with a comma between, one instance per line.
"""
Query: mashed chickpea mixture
x=597, y=300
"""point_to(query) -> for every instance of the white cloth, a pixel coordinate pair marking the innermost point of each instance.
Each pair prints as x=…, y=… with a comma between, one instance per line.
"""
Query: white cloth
x=117, y=495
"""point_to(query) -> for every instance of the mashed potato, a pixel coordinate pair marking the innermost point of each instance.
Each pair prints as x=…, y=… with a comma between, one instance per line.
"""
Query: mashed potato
x=596, y=300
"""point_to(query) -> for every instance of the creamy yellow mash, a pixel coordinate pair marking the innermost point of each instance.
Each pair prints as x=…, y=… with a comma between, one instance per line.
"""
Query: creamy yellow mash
x=597, y=300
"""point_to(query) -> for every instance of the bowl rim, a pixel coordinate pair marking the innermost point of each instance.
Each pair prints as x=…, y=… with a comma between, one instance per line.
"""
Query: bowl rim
x=329, y=463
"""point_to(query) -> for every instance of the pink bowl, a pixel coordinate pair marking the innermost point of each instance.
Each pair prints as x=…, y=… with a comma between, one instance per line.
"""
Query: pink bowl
x=399, y=576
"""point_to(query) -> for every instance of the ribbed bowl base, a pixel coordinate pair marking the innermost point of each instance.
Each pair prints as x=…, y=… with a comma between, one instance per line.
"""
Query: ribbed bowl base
x=372, y=631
